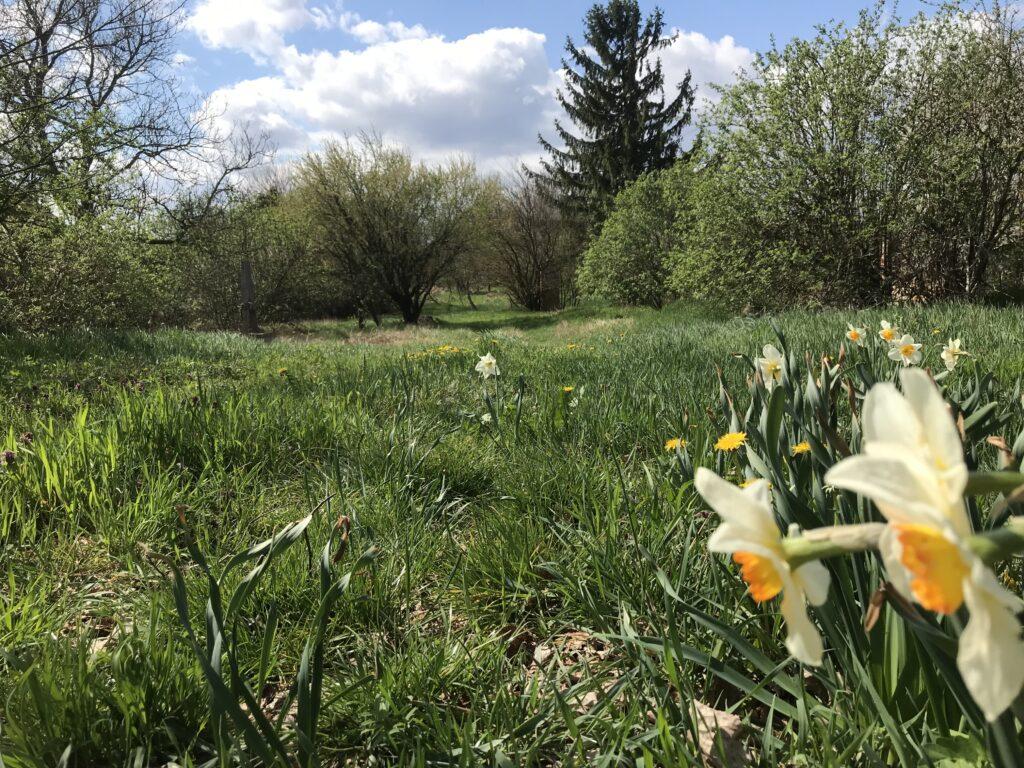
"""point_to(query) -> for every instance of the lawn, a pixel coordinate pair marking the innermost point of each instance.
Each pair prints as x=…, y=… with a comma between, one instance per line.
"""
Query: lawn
x=536, y=589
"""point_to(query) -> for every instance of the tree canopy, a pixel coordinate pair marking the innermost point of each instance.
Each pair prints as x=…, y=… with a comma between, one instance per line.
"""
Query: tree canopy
x=615, y=96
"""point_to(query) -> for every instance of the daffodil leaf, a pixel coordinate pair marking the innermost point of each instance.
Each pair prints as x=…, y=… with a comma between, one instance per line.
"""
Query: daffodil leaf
x=776, y=409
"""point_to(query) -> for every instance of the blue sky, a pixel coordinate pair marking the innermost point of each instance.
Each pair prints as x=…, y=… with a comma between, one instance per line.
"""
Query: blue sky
x=441, y=76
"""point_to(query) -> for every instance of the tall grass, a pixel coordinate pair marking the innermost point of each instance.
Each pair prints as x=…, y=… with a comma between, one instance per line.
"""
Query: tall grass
x=540, y=592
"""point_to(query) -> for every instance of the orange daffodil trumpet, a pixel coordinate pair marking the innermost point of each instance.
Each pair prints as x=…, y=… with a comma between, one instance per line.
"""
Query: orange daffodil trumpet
x=906, y=350
x=912, y=467
x=750, y=534
x=770, y=365
x=889, y=332
x=856, y=335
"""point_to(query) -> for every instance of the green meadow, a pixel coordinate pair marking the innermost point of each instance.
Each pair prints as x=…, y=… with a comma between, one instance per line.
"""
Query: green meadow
x=525, y=577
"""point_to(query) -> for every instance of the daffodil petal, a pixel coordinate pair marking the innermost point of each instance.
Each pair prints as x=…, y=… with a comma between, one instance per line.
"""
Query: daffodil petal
x=938, y=491
x=747, y=508
x=814, y=579
x=892, y=556
x=730, y=537
x=802, y=638
x=887, y=418
x=991, y=653
x=897, y=492
x=941, y=434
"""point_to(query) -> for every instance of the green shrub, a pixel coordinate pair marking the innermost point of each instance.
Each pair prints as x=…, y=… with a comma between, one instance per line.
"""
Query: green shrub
x=877, y=161
x=91, y=272
x=628, y=262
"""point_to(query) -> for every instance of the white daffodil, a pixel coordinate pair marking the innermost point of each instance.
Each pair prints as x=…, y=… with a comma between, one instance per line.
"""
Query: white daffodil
x=770, y=365
x=856, y=335
x=951, y=354
x=488, y=366
x=912, y=467
x=906, y=350
x=749, y=533
x=889, y=332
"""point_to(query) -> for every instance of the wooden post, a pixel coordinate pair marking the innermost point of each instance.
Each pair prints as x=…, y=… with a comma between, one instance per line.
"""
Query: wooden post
x=247, y=288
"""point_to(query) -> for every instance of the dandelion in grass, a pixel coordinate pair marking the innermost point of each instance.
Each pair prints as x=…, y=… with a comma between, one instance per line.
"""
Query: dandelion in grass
x=731, y=441
x=674, y=444
x=912, y=467
x=951, y=353
x=770, y=365
x=800, y=448
x=889, y=332
x=282, y=371
x=567, y=390
x=488, y=366
x=906, y=351
x=856, y=335
x=750, y=534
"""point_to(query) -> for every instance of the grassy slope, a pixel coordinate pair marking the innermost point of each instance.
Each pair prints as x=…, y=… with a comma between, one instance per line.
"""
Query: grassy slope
x=498, y=542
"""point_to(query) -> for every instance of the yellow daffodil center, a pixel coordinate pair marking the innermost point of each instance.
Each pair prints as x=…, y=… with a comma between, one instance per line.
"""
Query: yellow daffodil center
x=888, y=334
x=760, y=574
x=936, y=565
x=772, y=369
x=731, y=441
x=907, y=350
x=799, y=448
x=853, y=335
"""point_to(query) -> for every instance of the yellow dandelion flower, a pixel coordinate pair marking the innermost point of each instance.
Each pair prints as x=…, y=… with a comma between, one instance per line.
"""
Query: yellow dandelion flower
x=731, y=441
x=282, y=371
x=567, y=390
x=674, y=443
x=803, y=447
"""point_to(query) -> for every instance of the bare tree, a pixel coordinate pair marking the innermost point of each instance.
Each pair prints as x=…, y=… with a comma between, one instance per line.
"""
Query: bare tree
x=395, y=226
x=534, y=246
x=88, y=95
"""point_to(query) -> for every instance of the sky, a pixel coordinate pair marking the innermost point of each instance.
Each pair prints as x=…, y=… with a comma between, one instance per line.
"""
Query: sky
x=443, y=77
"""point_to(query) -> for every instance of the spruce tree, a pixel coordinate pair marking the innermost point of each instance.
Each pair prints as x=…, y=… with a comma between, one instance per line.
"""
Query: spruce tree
x=615, y=95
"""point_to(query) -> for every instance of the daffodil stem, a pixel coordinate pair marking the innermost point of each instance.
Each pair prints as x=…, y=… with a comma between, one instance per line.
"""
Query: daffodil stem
x=991, y=546
x=822, y=543
x=998, y=545
x=832, y=541
x=981, y=483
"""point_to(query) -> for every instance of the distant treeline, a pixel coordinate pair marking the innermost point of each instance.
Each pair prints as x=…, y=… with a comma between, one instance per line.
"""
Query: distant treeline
x=872, y=162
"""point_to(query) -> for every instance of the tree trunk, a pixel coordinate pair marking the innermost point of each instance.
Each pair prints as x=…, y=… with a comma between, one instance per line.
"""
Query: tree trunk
x=247, y=289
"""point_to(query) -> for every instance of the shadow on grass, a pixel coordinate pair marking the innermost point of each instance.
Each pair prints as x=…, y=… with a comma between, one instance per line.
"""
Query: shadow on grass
x=487, y=322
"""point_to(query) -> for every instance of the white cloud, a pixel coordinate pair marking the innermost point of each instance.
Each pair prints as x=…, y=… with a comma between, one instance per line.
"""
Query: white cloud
x=256, y=27
x=709, y=61
x=371, y=32
x=486, y=95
